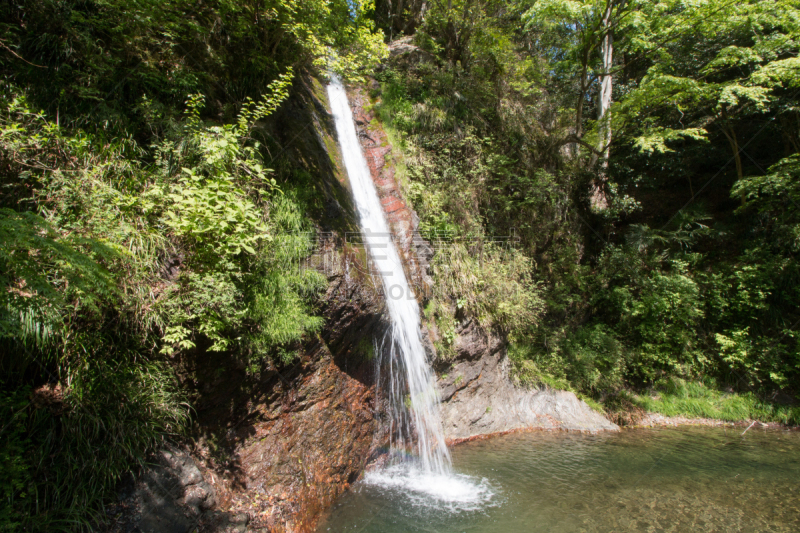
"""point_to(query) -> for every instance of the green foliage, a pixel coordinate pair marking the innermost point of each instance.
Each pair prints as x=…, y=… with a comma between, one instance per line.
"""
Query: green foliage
x=596, y=359
x=665, y=276
x=655, y=140
x=62, y=282
x=533, y=367
x=741, y=70
x=676, y=397
x=209, y=204
x=456, y=159
x=278, y=288
x=589, y=361
x=126, y=67
x=59, y=481
x=661, y=312
x=222, y=206
x=493, y=285
x=776, y=195
x=35, y=263
x=132, y=227
x=15, y=464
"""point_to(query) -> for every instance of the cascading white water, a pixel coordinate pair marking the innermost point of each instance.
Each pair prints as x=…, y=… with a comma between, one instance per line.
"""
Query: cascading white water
x=426, y=476
x=413, y=395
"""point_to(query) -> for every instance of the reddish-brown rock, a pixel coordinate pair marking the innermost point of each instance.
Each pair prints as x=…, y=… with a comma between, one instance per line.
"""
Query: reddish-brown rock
x=403, y=222
x=282, y=445
x=295, y=461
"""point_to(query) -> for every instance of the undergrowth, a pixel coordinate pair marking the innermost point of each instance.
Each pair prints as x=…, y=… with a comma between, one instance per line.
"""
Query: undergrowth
x=656, y=280
x=111, y=267
x=692, y=399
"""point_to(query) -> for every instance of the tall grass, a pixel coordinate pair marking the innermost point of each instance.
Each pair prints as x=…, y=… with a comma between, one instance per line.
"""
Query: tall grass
x=490, y=283
x=677, y=397
x=66, y=448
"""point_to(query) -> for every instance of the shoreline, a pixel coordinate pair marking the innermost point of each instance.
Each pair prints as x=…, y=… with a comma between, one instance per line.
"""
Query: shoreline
x=648, y=421
x=656, y=420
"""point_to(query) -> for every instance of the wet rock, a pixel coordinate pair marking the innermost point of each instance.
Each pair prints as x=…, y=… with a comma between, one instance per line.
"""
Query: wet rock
x=297, y=460
x=479, y=398
x=473, y=342
x=332, y=209
x=224, y=522
x=415, y=252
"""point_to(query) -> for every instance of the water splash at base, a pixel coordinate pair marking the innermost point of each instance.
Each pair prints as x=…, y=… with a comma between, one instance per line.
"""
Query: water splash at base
x=448, y=492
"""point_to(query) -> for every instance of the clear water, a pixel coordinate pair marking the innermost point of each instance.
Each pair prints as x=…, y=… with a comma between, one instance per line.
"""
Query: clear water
x=418, y=455
x=693, y=479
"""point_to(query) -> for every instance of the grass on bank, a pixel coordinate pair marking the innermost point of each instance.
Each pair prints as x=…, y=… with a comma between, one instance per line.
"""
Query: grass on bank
x=670, y=397
x=677, y=397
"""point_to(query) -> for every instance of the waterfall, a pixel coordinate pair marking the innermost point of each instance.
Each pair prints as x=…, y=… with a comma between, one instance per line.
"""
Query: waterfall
x=412, y=394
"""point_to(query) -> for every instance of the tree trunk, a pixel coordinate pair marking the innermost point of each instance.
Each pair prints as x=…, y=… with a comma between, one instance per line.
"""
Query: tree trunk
x=581, y=97
x=599, y=200
x=575, y=147
x=730, y=134
x=606, y=85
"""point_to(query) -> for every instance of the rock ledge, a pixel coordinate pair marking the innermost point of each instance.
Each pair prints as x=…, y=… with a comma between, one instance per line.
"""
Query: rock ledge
x=479, y=398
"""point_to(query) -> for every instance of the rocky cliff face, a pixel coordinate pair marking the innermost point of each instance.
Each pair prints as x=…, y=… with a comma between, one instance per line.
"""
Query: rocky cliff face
x=272, y=451
x=478, y=395
x=172, y=496
x=415, y=252
x=301, y=450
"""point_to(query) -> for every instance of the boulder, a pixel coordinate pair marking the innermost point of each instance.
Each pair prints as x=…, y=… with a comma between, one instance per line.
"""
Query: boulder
x=172, y=496
x=479, y=397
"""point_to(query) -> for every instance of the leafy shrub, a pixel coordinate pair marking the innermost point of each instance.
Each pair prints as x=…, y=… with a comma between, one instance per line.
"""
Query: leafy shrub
x=536, y=367
x=494, y=286
x=595, y=359
x=663, y=317
x=86, y=303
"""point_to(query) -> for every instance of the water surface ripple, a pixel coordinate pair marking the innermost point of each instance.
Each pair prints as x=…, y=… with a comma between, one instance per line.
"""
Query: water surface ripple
x=692, y=479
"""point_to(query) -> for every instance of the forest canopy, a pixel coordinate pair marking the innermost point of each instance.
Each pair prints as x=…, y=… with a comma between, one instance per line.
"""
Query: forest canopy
x=644, y=153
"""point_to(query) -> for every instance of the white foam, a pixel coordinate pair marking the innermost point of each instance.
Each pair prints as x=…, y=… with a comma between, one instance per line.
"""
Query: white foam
x=452, y=492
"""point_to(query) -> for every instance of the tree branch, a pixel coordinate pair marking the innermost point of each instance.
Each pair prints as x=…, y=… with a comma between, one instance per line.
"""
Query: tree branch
x=4, y=45
x=572, y=138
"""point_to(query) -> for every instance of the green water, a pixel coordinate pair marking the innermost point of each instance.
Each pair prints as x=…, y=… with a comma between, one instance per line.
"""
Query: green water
x=693, y=479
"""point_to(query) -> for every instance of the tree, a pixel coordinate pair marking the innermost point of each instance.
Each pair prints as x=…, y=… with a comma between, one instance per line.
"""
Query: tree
x=589, y=27
x=715, y=65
